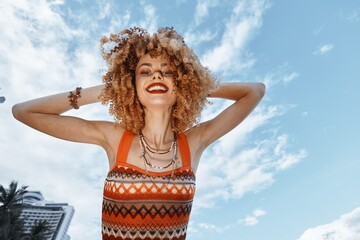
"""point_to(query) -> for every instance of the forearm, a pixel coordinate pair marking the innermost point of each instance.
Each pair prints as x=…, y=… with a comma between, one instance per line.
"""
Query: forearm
x=58, y=103
x=237, y=90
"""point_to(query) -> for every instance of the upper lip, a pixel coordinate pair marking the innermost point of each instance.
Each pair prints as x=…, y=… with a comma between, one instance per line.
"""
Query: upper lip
x=157, y=84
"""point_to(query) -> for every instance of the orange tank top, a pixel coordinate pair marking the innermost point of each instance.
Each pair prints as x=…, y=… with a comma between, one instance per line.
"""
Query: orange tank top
x=147, y=205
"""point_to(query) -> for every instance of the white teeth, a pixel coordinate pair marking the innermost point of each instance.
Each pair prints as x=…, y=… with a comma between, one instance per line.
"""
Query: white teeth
x=156, y=87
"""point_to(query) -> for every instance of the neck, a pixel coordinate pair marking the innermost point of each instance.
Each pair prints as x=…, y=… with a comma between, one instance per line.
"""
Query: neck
x=157, y=129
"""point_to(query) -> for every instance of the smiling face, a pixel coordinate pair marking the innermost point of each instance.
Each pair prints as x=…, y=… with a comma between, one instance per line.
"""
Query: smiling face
x=155, y=82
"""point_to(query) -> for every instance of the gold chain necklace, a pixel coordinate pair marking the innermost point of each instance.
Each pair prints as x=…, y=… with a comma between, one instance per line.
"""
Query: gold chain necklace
x=143, y=149
x=154, y=150
x=146, y=162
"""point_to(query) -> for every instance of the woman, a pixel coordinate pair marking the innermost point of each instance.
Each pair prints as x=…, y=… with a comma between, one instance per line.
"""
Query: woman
x=156, y=89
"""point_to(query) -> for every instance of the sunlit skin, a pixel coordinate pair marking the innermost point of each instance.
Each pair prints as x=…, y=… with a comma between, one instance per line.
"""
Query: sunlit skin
x=153, y=72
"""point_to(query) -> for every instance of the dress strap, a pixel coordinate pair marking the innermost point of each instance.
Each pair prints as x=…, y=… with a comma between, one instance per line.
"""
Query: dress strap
x=184, y=150
x=124, y=146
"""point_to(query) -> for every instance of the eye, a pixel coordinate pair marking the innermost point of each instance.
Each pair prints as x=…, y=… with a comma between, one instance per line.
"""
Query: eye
x=168, y=73
x=145, y=72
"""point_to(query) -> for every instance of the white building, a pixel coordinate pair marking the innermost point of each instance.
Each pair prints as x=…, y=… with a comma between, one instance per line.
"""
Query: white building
x=58, y=215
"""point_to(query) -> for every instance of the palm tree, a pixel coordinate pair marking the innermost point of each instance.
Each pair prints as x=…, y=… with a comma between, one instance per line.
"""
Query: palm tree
x=39, y=232
x=10, y=210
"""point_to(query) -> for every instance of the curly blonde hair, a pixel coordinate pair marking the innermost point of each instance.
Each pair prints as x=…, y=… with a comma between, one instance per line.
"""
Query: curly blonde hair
x=122, y=53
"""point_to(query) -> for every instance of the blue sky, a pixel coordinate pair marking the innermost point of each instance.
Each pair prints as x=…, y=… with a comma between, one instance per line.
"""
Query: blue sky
x=289, y=171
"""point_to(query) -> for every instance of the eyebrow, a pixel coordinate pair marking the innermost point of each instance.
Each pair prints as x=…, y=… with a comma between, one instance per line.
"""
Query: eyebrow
x=150, y=65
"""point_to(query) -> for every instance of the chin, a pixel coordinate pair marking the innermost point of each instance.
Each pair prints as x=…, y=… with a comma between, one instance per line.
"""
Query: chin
x=159, y=101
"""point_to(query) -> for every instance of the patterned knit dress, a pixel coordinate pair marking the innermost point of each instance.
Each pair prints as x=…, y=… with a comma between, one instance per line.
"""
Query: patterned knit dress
x=140, y=205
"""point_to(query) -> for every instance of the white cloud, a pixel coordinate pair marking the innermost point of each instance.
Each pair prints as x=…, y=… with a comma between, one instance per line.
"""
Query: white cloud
x=323, y=49
x=195, y=38
x=57, y=2
x=305, y=114
x=34, y=33
x=179, y=2
x=118, y=22
x=351, y=17
x=245, y=19
x=280, y=75
x=212, y=227
x=150, y=18
x=290, y=77
x=236, y=165
x=199, y=228
x=258, y=213
x=290, y=159
x=202, y=9
x=354, y=16
x=286, y=159
x=346, y=227
x=105, y=10
x=253, y=218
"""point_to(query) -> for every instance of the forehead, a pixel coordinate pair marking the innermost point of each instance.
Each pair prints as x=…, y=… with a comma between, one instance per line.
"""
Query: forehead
x=153, y=61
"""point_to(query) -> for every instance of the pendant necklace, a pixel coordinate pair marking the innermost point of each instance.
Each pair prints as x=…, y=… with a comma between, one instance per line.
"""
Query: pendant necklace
x=144, y=146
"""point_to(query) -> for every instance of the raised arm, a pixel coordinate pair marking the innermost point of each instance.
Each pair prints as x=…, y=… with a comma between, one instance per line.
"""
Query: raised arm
x=246, y=97
x=44, y=114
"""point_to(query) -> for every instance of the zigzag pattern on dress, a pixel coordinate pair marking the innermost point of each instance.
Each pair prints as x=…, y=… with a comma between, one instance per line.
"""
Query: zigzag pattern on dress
x=146, y=187
x=143, y=211
x=127, y=172
x=138, y=205
x=111, y=233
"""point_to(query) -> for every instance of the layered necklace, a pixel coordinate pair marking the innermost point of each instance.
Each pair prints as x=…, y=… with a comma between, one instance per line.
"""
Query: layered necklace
x=145, y=148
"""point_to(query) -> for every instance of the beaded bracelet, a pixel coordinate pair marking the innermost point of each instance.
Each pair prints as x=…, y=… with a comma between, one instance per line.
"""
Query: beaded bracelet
x=73, y=97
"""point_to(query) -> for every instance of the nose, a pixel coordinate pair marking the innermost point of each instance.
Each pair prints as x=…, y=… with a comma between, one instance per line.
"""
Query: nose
x=157, y=75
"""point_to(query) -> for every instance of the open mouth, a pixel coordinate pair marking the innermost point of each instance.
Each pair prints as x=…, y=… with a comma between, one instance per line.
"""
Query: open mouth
x=157, y=88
